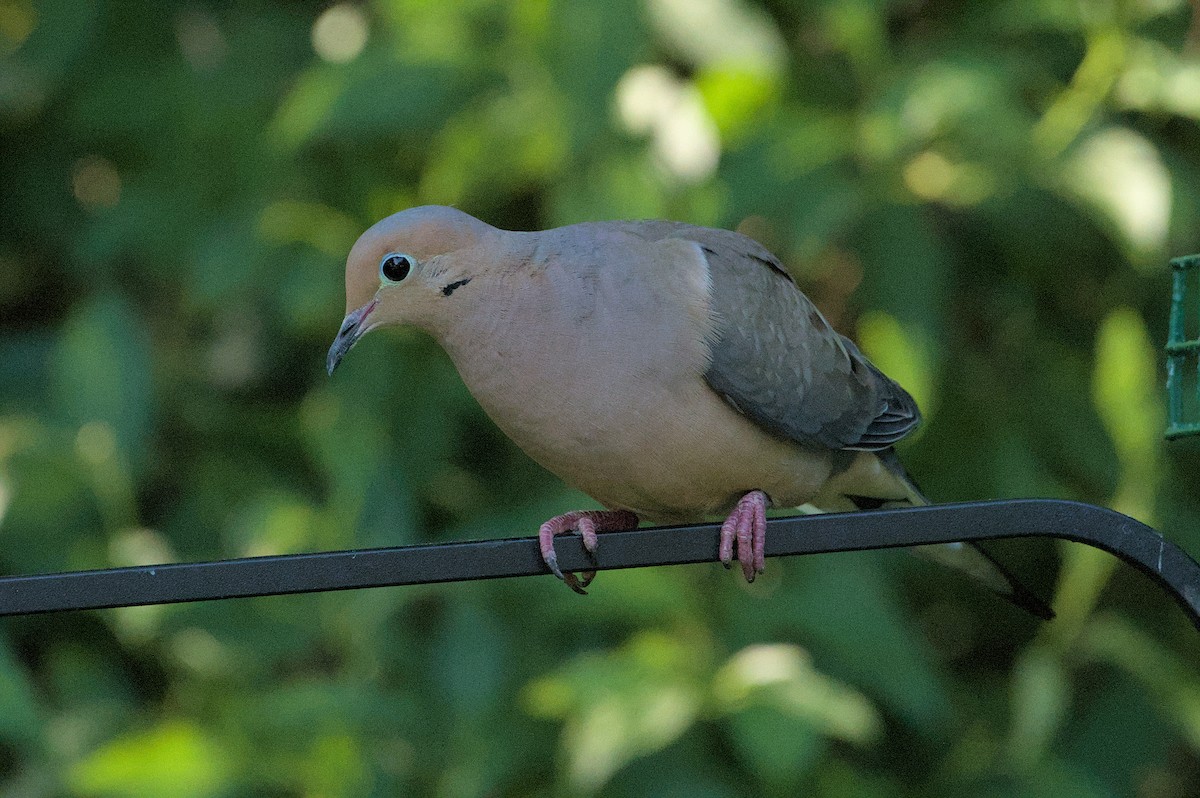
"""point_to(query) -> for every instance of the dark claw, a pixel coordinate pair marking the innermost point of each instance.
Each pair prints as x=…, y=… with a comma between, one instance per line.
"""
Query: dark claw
x=552, y=561
x=573, y=582
x=588, y=576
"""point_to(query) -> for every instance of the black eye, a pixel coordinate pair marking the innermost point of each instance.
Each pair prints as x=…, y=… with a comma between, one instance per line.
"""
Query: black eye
x=394, y=267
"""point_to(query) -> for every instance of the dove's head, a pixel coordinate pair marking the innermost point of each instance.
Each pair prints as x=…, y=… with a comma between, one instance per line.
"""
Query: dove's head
x=406, y=269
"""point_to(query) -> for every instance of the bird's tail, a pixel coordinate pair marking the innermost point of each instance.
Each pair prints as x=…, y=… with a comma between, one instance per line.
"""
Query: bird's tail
x=874, y=480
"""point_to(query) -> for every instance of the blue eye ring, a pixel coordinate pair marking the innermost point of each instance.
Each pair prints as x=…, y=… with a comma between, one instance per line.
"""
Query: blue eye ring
x=394, y=267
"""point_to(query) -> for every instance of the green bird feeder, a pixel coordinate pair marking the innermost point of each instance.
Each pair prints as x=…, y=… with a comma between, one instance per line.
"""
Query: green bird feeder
x=1183, y=353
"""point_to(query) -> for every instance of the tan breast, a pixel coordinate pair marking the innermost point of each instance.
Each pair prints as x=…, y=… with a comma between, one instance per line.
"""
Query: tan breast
x=593, y=364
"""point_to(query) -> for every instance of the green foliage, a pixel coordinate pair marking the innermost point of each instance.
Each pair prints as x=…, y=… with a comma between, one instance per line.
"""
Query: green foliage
x=986, y=194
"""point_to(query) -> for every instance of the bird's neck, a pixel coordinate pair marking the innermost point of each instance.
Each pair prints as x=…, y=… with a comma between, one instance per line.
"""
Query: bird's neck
x=483, y=310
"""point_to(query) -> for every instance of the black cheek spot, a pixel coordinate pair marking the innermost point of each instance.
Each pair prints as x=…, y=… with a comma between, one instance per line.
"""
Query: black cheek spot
x=449, y=289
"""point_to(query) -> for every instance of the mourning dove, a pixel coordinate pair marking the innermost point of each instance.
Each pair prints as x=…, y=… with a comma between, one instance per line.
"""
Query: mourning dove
x=671, y=372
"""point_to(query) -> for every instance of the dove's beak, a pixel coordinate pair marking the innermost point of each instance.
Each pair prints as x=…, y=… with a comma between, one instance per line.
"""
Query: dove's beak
x=354, y=326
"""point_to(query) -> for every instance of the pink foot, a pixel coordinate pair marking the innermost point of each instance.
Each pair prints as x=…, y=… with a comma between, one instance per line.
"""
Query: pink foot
x=748, y=525
x=587, y=523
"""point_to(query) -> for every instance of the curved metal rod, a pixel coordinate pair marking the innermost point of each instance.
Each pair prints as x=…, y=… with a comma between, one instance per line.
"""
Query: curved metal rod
x=1132, y=541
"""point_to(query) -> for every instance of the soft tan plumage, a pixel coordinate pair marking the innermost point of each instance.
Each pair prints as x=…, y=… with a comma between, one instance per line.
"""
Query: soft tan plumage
x=667, y=370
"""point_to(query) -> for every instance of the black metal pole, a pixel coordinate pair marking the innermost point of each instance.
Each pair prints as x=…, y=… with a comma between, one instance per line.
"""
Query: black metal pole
x=1132, y=541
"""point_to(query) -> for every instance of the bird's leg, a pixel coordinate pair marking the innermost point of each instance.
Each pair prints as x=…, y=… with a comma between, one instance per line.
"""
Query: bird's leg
x=747, y=524
x=587, y=523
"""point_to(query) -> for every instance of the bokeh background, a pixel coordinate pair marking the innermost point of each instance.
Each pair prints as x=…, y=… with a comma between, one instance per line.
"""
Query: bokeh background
x=985, y=194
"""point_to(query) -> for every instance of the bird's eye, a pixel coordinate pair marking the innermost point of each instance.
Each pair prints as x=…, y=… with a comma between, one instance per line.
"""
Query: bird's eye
x=394, y=267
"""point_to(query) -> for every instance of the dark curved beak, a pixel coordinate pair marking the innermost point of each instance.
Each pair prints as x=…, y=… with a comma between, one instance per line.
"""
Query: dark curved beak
x=353, y=327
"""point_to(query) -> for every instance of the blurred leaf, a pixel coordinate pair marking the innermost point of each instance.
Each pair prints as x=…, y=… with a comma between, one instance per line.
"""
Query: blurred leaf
x=223, y=263
x=348, y=443
x=1072, y=439
x=101, y=375
x=1122, y=175
x=612, y=188
x=57, y=34
x=172, y=760
x=389, y=514
x=591, y=46
x=621, y=705
x=736, y=97
x=1173, y=683
x=781, y=748
x=302, y=114
x=848, y=615
x=901, y=357
x=721, y=33
x=907, y=271
x=1040, y=701
x=471, y=661
x=20, y=715
x=273, y=525
x=516, y=139
x=1119, y=762
x=1075, y=106
x=1126, y=391
x=782, y=708
x=45, y=494
x=839, y=780
x=327, y=230
x=782, y=676
x=374, y=96
x=334, y=766
x=1051, y=779
x=25, y=376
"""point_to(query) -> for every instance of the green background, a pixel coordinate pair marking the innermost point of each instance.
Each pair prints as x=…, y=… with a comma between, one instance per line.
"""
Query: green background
x=985, y=194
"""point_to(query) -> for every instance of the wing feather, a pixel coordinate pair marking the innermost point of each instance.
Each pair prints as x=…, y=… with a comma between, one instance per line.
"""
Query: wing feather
x=778, y=361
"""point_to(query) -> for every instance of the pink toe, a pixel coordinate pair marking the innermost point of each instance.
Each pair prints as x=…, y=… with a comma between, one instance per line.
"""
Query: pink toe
x=546, y=541
x=728, y=530
x=760, y=535
x=746, y=527
x=588, y=523
x=745, y=540
x=587, y=530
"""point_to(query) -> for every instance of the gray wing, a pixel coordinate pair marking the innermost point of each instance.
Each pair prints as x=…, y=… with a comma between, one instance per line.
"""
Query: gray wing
x=777, y=360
